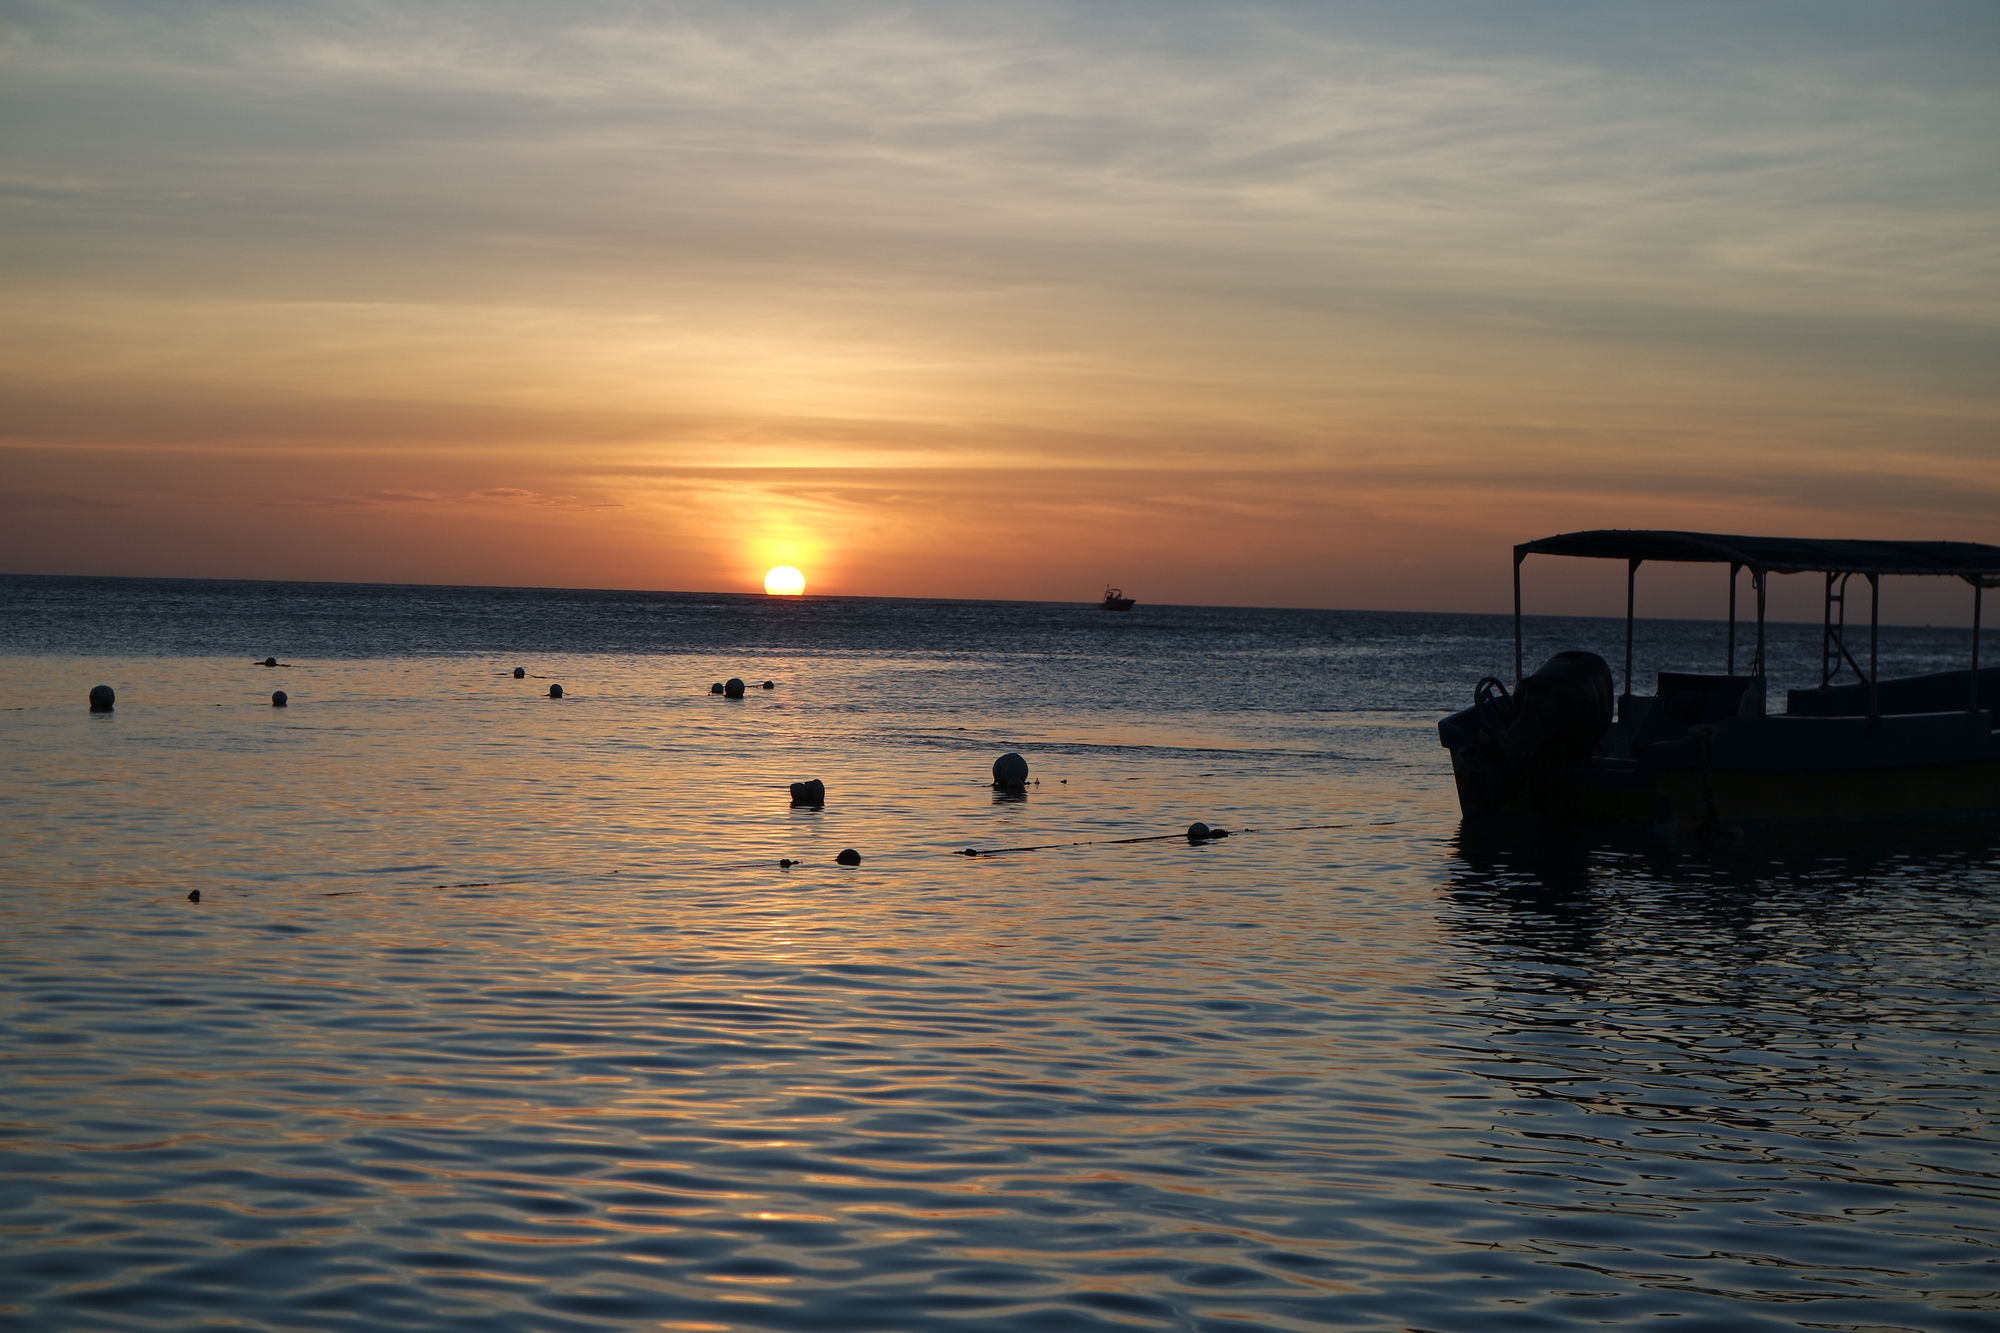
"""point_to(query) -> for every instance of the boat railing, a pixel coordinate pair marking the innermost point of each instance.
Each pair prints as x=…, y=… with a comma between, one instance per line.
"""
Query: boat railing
x=1937, y=692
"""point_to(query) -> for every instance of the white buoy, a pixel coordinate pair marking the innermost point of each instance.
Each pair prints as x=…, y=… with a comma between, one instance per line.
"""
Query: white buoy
x=279, y=698
x=1010, y=771
x=733, y=688
x=102, y=698
x=555, y=691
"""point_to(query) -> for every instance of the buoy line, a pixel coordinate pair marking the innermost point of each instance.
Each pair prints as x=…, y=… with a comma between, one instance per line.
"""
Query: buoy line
x=849, y=857
x=1168, y=837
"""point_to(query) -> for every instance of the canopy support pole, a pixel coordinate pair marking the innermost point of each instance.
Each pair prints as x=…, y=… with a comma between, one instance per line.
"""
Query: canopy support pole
x=1758, y=577
x=1972, y=702
x=1631, y=577
x=1519, y=556
x=1874, y=635
x=1734, y=568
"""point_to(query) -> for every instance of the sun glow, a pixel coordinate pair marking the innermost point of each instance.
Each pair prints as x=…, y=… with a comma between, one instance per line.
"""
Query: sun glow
x=784, y=581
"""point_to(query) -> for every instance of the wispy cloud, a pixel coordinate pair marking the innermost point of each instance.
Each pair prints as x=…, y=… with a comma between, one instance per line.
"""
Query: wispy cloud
x=512, y=259
x=49, y=502
x=646, y=132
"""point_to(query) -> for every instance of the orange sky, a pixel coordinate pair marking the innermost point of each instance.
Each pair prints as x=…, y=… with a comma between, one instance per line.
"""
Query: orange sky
x=1319, y=305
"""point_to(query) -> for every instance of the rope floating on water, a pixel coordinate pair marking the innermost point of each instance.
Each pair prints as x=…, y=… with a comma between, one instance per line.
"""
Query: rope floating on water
x=787, y=863
x=1168, y=837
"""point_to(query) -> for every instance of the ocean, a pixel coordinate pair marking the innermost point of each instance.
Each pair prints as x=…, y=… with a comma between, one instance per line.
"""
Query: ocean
x=504, y=1011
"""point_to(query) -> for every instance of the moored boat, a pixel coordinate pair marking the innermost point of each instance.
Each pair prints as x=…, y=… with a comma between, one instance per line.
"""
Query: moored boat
x=1704, y=751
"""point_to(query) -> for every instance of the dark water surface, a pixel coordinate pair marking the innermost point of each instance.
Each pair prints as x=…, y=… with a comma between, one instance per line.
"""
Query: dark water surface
x=498, y=1011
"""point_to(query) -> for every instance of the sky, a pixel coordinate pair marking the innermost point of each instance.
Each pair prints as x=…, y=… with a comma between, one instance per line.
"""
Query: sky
x=1276, y=304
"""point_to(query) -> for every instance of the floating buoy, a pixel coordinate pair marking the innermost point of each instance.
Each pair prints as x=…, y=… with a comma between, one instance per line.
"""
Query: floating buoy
x=520, y=672
x=810, y=792
x=848, y=857
x=733, y=688
x=555, y=691
x=279, y=698
x=786, y=863
x=768, y=685
x=102, y=698
x=194, y=895
x=1010, y=771
x=715, y=688
x=269, y=661
x=1200, y=832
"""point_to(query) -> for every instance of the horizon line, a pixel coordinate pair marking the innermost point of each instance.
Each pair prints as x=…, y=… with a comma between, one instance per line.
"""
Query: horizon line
x=758, y=595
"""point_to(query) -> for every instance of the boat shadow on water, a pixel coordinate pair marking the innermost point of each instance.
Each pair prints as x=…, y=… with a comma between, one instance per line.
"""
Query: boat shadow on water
x=1809, y=985
x=1548, y=864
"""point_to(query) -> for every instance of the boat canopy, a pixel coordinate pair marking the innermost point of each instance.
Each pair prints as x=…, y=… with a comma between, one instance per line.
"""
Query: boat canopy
x=1975, y=562
x=1839, y=560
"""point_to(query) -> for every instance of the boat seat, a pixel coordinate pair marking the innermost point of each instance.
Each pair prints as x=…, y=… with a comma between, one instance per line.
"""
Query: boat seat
x=1686, y=699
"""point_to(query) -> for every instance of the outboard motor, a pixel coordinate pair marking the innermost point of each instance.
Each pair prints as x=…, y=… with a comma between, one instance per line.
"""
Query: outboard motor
x=1560, y=713
x=1530, y=742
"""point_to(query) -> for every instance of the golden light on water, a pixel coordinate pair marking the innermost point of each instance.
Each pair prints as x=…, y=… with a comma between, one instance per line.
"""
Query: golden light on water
x=784, y=581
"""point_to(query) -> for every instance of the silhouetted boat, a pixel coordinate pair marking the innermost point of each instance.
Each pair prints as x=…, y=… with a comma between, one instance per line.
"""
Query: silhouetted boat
x=1116, y=600
x=1702, y=750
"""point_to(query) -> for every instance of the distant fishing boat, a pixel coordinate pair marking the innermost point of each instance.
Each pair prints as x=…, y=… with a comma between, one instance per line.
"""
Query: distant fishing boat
x=1116, y=600
x=1565, y=746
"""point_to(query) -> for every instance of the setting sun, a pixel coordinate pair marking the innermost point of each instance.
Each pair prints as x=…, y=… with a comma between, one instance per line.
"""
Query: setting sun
x=784, y=581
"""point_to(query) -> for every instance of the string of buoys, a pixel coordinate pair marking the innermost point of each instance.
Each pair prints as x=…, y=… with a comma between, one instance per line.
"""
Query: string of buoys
x=735, y=688
x=1010, y=774
x=104, y=699
x=1194, y=834
x=1188, y=836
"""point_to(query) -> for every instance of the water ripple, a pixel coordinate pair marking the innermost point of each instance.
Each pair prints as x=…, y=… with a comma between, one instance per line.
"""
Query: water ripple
x=624, y=1070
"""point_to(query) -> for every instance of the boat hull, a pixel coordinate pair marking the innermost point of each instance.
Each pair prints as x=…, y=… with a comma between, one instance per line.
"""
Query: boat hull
x=1691, y=800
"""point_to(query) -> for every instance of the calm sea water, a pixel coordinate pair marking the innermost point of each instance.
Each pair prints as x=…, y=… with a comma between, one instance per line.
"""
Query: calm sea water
x=499, y=1011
